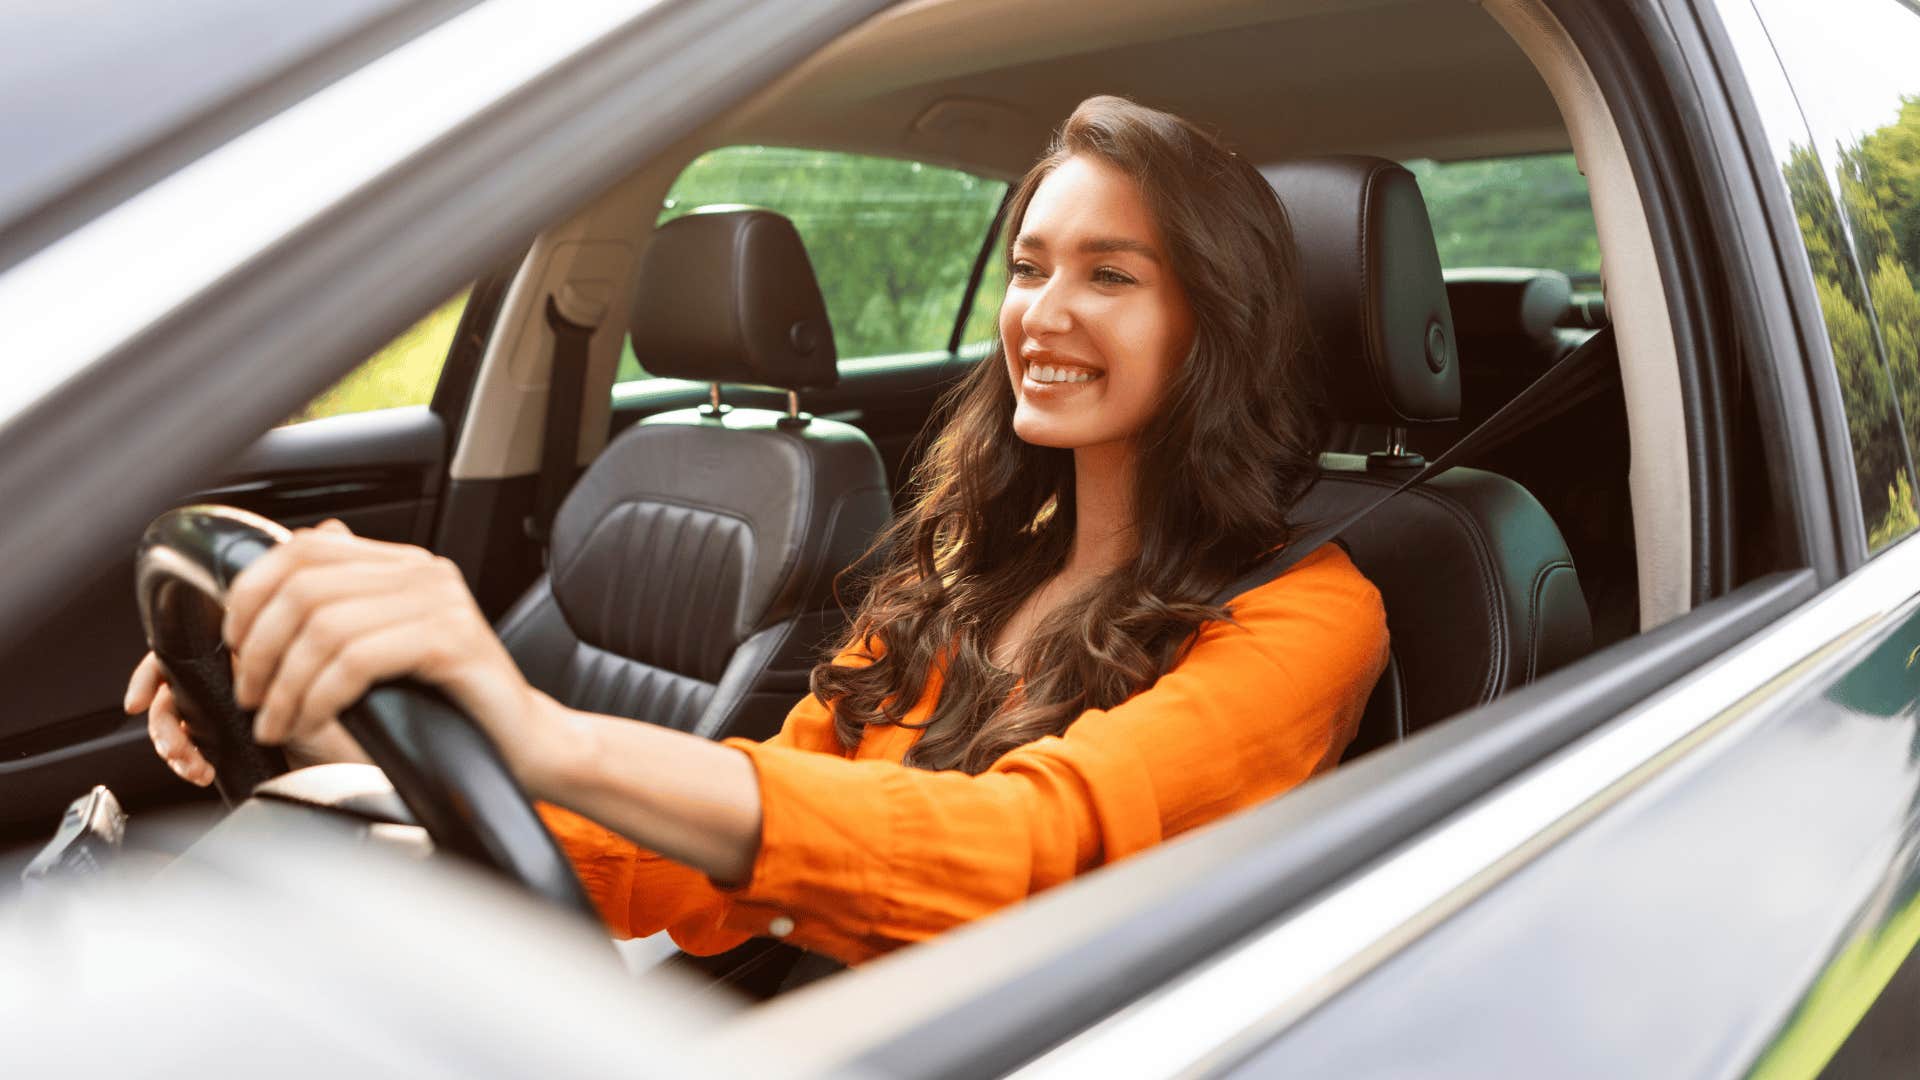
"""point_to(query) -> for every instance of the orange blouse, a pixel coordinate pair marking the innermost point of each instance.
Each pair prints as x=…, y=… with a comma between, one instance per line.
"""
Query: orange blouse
x=860, y=854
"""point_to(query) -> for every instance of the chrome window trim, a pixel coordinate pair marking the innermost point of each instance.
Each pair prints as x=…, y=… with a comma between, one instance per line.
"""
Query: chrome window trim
x=1238, y=1001
x=159, y=249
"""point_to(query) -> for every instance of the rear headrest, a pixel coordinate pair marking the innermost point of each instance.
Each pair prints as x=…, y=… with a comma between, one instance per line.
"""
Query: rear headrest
x=1370, y=275
x=1508, y=302
x=728, y=295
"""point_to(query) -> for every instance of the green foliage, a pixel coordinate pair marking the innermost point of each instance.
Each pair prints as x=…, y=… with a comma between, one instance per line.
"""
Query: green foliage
x=1861, y=226
x=983, y=322
x=892, y=242
x=1882, y=172
x=1900, y=518
x=1531, y=210
x=403, y=373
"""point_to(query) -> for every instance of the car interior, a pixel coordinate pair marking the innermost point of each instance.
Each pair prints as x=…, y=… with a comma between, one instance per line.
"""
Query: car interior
x=713, y=492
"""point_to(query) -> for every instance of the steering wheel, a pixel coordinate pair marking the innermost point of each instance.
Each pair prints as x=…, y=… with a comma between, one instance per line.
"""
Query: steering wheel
x=441, y=764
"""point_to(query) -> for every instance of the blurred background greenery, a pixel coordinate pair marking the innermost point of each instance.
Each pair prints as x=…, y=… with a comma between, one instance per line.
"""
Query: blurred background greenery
x=403, y=373
x=893, y=244
x=1859, y=212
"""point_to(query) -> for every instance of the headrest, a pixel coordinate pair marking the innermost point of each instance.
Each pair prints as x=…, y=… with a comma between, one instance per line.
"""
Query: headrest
x=1370, y=275
x=728, y=295
x=1507, y=302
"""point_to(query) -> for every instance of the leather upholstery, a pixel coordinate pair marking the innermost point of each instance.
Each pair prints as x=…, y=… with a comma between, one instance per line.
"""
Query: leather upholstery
x=690, y=579
x=729, y=296
x=1481, y=593
x=692, y=570
x=1371, y=278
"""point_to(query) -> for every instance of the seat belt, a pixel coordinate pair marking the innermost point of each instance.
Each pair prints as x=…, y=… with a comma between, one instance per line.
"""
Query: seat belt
x=1577, y=376
x=560, y=440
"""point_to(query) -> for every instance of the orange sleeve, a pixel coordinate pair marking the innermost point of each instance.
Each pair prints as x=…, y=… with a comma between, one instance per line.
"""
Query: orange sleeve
x=640, y=892
x=865, y=856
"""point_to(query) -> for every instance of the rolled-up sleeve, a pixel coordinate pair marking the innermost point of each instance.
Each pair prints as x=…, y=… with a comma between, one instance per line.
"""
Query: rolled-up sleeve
x=640, y=892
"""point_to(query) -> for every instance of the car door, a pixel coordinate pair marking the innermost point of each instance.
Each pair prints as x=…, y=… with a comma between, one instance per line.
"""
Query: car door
x=370, y=450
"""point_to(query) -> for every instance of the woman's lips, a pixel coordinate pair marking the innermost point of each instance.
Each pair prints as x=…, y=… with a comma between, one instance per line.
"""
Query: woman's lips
x=1060, y=387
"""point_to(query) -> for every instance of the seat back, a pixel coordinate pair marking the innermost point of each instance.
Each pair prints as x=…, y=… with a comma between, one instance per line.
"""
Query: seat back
x=1481, y=594
x=691, y=572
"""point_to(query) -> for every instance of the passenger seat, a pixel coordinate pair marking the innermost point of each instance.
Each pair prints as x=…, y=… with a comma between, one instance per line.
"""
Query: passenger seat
x=690, y=580
x=1481, y=593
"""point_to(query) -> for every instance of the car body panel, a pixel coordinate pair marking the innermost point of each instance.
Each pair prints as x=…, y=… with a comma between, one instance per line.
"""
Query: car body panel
x=1680, y=930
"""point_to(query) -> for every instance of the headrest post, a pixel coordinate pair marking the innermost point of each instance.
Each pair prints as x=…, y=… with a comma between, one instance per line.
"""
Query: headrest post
x=1396, y=455
x=713, y=409
x=794, y=418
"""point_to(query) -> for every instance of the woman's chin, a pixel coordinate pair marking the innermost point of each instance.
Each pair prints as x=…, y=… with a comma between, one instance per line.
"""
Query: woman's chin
x=1044, y=430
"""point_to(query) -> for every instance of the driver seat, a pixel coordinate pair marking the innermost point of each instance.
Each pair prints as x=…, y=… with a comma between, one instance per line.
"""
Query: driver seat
x=690, y=579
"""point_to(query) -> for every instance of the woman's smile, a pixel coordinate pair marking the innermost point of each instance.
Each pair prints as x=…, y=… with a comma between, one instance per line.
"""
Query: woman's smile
x=1047, y=379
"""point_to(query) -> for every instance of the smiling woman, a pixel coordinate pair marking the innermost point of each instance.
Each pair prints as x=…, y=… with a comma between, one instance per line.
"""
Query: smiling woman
x=1040, y=680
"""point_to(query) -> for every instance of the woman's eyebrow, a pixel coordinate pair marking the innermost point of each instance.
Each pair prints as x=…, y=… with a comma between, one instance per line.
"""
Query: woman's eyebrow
x=1098, y=245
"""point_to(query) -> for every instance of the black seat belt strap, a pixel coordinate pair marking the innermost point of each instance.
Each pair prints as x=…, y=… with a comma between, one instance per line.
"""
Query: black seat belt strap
x=560, y=440
x=1576, y=377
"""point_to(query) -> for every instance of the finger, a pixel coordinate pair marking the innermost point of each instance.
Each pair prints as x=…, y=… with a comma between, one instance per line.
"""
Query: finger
x=394, y=650
x=306, y=547
x=324, y=633
x=173, y=744
x=147, y=678
x=335, y=525
x=301, y=595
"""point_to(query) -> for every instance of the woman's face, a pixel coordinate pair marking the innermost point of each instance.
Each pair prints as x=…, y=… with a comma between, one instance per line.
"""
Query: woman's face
x=1094, y=322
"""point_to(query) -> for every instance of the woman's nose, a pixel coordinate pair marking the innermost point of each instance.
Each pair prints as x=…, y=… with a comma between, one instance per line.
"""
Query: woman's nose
x=1048, y=313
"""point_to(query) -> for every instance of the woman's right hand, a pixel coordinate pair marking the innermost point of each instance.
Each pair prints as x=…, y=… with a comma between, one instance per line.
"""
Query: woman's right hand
x=149, y=690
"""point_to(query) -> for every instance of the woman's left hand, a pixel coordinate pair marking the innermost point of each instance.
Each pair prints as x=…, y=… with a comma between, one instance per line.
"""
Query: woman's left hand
x=323, y=618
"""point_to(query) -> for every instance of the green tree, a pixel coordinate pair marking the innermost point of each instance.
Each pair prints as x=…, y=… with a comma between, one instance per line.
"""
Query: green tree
x=1531, y=210
x=1862, y=231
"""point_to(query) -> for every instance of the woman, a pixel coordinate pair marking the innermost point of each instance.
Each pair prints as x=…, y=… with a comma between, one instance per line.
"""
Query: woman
x=1035, y=683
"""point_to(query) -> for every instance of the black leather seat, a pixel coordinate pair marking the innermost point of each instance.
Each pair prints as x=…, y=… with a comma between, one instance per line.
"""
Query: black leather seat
x=691, y=571
x=1481, y=594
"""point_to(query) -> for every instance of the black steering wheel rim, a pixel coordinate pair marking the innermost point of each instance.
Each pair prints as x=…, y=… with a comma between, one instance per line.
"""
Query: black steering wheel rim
x=441, y=764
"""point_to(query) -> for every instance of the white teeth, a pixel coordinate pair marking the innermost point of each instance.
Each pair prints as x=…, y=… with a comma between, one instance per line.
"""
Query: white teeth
x=1043, y=373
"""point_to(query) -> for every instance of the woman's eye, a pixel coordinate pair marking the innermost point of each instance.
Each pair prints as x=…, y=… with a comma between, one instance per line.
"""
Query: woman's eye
x=1111, y=277
x=1023, y=269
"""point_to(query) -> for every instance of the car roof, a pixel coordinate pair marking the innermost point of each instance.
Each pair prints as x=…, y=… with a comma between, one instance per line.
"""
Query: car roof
x=97, y=87
x=945, y=81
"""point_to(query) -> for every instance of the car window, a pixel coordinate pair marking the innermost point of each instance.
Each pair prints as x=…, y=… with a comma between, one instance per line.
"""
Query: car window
x=892, y=241
x=983, y=322
x=1856, y=190
x=1529, y=210
x=403, y=372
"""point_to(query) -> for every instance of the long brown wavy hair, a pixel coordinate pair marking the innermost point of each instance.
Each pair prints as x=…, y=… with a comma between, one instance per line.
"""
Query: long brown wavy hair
x=1226, y=456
